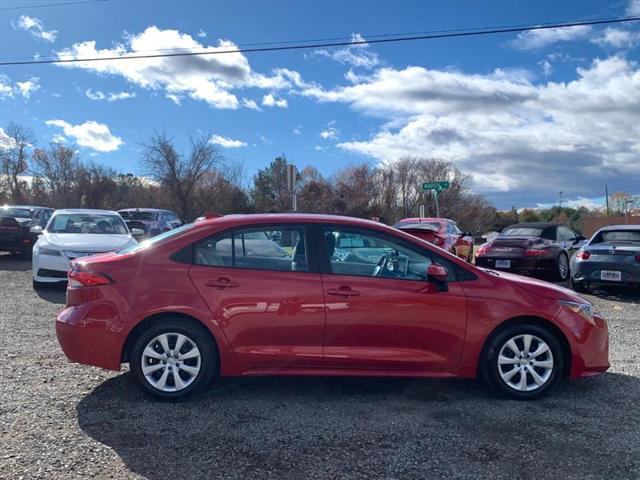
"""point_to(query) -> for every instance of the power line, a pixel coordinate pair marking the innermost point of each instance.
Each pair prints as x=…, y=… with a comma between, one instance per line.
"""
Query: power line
x=389, y=39
x=59, y=4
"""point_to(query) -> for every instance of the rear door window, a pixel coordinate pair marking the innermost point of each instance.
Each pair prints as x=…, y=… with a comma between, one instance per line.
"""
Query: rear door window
x=259, y=248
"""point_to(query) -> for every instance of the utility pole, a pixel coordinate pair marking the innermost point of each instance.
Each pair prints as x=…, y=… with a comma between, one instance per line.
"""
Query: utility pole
x=422, y=211
x=606, y=194
x=560, y=199
x=291, y=186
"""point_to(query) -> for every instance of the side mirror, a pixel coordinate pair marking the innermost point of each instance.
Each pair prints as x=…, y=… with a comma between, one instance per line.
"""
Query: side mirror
x=580, y=238
x=438, y=272
x=468, y=234
x=137, y=232
x=37, y=230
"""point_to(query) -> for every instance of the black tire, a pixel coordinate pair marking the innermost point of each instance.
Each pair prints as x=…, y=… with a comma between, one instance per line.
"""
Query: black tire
x=579, y=287
x=41, y=285
x=558, y=273
x=196, y=334
x=489, y=367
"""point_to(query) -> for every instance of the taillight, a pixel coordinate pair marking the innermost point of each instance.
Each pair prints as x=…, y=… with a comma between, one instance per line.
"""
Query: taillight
x=87, y=279
x=535, y=252
x=638, y=258
x=584, y=255
x=438, y=240
x=482, y=250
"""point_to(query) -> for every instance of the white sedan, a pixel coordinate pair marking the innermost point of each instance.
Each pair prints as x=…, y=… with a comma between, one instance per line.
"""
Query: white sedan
x=76, y=233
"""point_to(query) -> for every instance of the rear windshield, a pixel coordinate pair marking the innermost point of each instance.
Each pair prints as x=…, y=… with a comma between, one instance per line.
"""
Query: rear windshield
x=418, y=225
x=523, y=232
x=15, y=212
x=157, y=239
x=617, y=236
x=87, y=223
x=137, y=215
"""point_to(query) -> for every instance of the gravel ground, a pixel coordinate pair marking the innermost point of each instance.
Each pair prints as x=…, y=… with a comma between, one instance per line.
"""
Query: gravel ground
x=60, y=420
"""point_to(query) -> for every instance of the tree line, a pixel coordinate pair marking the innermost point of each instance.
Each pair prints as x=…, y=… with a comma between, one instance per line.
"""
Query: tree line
x=202, y=180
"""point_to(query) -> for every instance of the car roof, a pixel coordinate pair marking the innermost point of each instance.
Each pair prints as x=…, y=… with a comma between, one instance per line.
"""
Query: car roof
x=619, y=227
x=30, y=207
x=143, y=210
x=423, y=219
x=259, y=218
x=87, y=210
x=533, y=225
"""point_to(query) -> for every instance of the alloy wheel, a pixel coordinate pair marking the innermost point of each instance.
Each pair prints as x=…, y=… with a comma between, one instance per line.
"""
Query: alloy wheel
x=171, y=362
x=563, y=267
x=525, y=363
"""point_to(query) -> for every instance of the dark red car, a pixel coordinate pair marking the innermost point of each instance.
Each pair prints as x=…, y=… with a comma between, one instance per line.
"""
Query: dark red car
x=349, y=297
x=442, y=232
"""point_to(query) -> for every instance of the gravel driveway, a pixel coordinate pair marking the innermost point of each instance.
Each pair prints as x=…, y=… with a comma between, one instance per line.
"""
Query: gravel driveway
x=60, y=420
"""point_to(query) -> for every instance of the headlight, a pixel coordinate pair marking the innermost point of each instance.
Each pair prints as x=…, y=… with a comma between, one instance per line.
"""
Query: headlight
x=49, y=251
x=585, y=310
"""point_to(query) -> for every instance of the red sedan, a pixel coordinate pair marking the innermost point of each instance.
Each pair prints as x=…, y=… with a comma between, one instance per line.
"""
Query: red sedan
x=319, y=295
x=442, y=232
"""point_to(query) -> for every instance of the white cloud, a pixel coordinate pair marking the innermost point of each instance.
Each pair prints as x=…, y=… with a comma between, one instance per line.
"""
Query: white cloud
x=251, y=104
x=617, y=38
x=534, y=39
x=297, y=130
x=24, y=88
x=90, y=134
x=633, y=8
x=201, y=33
x=5, y=140
x=209, y=78
x=270, y=101
x=330, y=132
x=546, y=66
x=509, y=133
x=109, y=96
x=226, y=142
x=357, y=55
x=27, y=87
x=36, y=28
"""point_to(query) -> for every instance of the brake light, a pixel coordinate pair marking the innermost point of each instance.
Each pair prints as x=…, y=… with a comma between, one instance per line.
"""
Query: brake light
x=584, y=255
x=438, y=241
x=638, y=258
x=87, y=279
x=535, y=252
x=482, y=250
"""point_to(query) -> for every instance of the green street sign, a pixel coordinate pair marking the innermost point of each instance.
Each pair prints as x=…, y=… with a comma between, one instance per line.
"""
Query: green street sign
x=435, y=186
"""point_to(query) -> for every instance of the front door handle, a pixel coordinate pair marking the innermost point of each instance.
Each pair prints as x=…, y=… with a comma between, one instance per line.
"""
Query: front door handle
x=222, y=283
x=343, y=291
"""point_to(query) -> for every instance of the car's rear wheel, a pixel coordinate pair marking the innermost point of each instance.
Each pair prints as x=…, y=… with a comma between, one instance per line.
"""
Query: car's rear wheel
x=562, y=270
x=523, y=361
x=173, y=359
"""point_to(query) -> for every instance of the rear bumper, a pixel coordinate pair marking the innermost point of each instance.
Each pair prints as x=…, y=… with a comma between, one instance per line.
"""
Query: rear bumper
x=13, y=244
x=520, y=264
x=88, y=340
x=590, y=273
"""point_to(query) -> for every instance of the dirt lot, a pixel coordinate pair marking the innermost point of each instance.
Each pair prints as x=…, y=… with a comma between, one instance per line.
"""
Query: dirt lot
x=60, y=420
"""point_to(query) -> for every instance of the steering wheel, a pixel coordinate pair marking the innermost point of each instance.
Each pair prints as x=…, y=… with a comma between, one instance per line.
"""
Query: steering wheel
x=388, y=266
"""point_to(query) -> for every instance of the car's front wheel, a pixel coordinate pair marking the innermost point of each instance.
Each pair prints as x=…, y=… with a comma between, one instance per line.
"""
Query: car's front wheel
x=523, y=361
x=173, y=359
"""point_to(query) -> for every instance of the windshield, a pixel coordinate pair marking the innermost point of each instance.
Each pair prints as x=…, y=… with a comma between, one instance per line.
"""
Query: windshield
x=87, y=223
x=419, y=225
x=158, y=238
x=617, y=236
x=136, y=215
x=523, y=232
x=15, y=212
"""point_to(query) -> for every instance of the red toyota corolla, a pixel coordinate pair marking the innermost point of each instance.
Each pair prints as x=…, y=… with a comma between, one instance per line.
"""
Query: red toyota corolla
x=319, y=295
x=442, y=232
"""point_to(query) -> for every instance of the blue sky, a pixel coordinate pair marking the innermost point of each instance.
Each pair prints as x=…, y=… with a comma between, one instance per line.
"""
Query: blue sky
x=526, y=115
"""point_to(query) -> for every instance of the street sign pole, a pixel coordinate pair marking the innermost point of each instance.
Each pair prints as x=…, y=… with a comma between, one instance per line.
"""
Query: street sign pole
x=436, y=187
x=437, y=205
x=422, y=215
x=291, y=186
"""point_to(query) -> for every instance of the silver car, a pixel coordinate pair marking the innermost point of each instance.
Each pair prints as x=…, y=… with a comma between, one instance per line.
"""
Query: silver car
x=611, y=257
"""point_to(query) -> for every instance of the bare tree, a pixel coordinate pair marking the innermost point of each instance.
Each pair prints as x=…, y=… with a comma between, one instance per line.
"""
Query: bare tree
x=178, y=175
x=622, y=202
x=58, y=167
x=14, y=160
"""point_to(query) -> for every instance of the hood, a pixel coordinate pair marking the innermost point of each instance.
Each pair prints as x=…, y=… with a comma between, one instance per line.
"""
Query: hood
x=88, y=242
x=540, y=287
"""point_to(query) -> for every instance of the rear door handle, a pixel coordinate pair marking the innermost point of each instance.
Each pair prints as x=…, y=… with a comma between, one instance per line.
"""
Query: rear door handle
x=222, y=283
x=343, y=292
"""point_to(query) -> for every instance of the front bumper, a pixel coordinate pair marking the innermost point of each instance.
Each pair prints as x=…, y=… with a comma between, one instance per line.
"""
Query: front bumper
x=590, y=348
x=50, y=268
